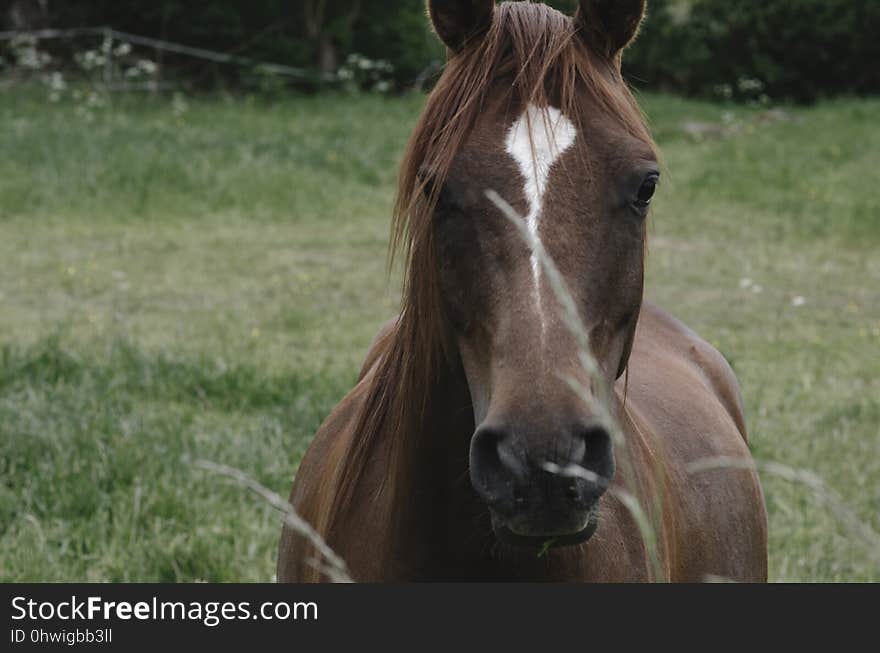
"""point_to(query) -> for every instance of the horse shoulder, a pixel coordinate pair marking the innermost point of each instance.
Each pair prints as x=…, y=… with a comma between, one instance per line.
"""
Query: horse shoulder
x=686, y=401
x=324, y=452
x=307, y=496
x=337, y=429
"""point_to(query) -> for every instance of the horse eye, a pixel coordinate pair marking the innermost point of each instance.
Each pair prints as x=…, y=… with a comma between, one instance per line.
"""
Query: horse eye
x=646, y=192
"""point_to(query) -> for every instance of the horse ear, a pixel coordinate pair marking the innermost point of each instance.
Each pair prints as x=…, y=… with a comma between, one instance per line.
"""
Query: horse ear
x=610, y=25
x=457, y=21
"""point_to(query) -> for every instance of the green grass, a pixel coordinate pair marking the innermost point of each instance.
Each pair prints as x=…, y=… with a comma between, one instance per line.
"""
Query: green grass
x=205, y=284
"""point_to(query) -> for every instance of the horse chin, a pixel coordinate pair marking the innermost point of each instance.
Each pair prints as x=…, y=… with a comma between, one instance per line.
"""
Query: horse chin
x=544, y=542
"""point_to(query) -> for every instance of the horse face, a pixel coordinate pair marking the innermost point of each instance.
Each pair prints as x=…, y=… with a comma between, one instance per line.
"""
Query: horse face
x=581, y=183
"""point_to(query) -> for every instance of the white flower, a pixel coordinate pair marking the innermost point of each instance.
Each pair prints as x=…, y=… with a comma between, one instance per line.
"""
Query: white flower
x=147, y=66
x=90, y=59
x=797, y=301
x=179, y=105
x=56, y=82
x=93, y=100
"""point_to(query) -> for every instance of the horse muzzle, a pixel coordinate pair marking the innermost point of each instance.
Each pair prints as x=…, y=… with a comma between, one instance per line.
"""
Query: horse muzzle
x=542, y=491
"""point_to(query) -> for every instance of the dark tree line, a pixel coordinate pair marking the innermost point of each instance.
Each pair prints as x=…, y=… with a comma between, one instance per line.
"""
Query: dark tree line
x=797, y=49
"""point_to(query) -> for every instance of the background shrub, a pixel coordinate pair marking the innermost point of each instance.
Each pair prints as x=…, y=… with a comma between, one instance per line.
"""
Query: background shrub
x=787, y=49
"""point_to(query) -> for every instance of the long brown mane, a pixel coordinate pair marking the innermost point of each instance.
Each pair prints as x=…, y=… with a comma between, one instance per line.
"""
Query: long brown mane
x=543, y=60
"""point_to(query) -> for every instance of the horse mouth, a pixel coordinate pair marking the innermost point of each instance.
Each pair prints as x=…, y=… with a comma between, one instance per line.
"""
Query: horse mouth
x=543, y=543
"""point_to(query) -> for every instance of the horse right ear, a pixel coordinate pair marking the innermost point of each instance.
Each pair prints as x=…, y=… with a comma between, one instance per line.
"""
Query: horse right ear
x=610, y=25
x=458, y=21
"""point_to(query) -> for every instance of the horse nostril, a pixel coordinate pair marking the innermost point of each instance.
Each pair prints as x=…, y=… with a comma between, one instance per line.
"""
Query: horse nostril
x=485, y=462
x=595, y=454
x=496, y=469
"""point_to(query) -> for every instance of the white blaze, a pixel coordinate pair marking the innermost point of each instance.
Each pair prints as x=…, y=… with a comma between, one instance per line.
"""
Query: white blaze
x=535, y=141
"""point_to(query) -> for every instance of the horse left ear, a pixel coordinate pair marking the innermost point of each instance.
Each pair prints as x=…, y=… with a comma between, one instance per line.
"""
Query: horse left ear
x=609, y=25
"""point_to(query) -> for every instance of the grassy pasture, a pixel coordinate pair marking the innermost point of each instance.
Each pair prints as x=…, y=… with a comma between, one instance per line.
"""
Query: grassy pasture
x=202, y=282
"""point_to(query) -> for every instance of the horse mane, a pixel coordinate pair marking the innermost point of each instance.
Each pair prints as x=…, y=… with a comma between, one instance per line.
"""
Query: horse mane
x=547, y=62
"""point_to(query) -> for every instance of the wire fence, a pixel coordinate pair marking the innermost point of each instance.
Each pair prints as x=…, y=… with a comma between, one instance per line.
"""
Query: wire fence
x=291, y=73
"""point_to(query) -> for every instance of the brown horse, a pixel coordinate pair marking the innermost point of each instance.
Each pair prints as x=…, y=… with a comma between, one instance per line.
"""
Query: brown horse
x=444, y=461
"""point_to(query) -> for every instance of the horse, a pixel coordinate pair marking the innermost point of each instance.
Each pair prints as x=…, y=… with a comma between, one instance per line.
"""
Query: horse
x=446, y=460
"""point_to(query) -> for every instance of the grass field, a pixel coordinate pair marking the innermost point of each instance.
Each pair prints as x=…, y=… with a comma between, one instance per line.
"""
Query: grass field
x=202, y=280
